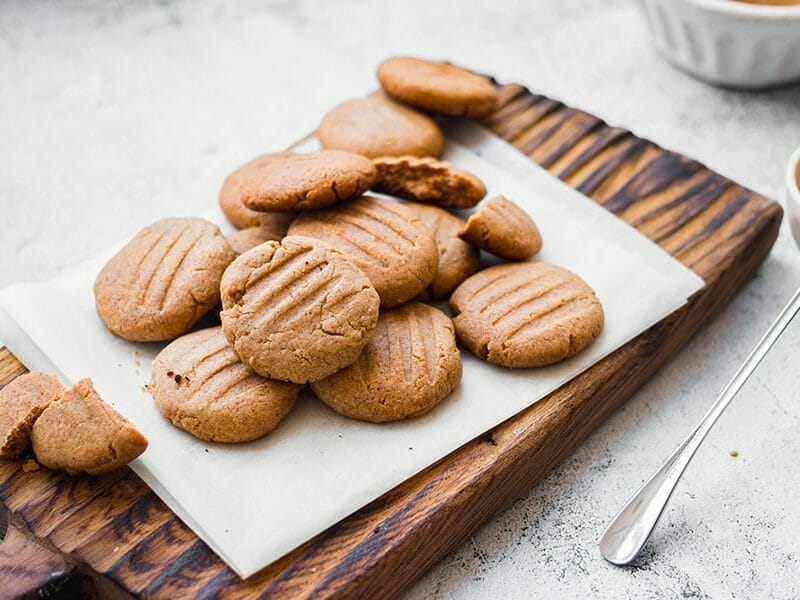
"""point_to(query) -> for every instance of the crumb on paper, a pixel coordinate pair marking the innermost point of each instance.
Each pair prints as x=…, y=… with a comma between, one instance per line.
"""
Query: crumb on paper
x=136, y=363
x=734, y=453
x=30, y=465
x=143, y=388
x=136, y=353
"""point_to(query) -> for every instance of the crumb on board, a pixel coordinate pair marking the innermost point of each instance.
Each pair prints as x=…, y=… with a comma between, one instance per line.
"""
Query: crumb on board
x=30, y=465
x=734, y=453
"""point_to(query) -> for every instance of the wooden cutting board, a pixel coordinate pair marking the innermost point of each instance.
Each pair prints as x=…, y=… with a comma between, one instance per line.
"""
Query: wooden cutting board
x=112, y=535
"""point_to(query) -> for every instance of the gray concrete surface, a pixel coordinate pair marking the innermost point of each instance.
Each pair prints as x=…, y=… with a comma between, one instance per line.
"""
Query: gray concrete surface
x=114, y=113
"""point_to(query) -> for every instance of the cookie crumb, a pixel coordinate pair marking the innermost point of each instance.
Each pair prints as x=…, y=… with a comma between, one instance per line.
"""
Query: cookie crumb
x=30, y=465
x=136, y=353
x=734, y=453
x=136, y=363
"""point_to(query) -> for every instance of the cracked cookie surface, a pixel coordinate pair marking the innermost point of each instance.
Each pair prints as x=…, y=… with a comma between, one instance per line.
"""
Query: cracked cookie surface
x=79, y=433
x=501, y=227
x=457, y=259
x=307, y=181
x=378, y=126
x=162, y=281
x=427, y=180
x=21, y=402
x=297, y=310
x=526, y=314
x=201, y=386
x=232, y=204
x=383, y=238
x=408, y=367
x=437, y=86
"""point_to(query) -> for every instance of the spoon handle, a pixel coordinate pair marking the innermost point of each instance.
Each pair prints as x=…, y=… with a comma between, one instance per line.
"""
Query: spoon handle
x=629, y=530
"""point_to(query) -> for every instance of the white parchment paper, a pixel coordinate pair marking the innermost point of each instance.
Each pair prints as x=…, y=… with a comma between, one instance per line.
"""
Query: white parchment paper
x=254, y=502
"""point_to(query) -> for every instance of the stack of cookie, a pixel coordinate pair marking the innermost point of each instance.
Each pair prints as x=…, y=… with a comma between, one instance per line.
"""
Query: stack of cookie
x=325, y=286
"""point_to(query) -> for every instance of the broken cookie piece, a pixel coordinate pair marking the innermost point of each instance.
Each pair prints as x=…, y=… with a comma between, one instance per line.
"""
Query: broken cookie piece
x=79, y=433
x=21, y=403
x=427, y=180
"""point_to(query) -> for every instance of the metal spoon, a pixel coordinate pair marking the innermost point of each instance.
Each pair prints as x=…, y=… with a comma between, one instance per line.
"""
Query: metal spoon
x=630, y=529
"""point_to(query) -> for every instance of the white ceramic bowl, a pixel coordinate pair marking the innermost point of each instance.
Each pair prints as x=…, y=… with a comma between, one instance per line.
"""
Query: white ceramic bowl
x=793, y=194
x=727, y=42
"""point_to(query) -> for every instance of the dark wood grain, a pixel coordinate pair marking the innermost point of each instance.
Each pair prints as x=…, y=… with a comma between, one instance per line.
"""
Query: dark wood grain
x=121, y=533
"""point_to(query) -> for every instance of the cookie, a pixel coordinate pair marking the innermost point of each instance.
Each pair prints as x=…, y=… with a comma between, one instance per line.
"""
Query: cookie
x=378, y=126
x=201, y=386
x=79, y=433
x=164, y=280
x=501, y=227
x=297, y=310
x=306, y=181
x=384, y=239
x=21, y=403
x=243, y=240
x=437, y=86
x=232, y=204
x=526, y=314
x=427, y=180
x=457, y=259
x=408, y=367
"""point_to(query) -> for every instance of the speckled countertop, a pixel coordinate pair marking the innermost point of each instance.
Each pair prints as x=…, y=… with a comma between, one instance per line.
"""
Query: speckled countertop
x=114, y=113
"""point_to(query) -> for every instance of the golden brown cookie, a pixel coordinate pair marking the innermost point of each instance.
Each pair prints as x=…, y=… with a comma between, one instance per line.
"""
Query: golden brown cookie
x=21, y=403
x=297, y=310
x=410, y=365
x=163, y=280
x=201, y=386
x=379, y=126
x=526, y=314
x=306, y=181
x=437, y=86
x=79, y=433
x=457, y=259
x=501, y=227
x=427, y=180
x=384, y=239
x=243, y=240
x=232, y=204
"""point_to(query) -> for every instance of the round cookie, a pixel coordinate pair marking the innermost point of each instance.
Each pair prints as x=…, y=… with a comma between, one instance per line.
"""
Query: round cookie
x=408, y=367
x=427, y=180
x=244, y=239
x=501, y=227
x=232, y=205
x=163, y=280
x=297, y=310
x=437, y=86
x=526, y=314
x=306, y=181
x=201, y=386
x=384, y=239
x=457, y=259
x=378, y=126
x=79, y=433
